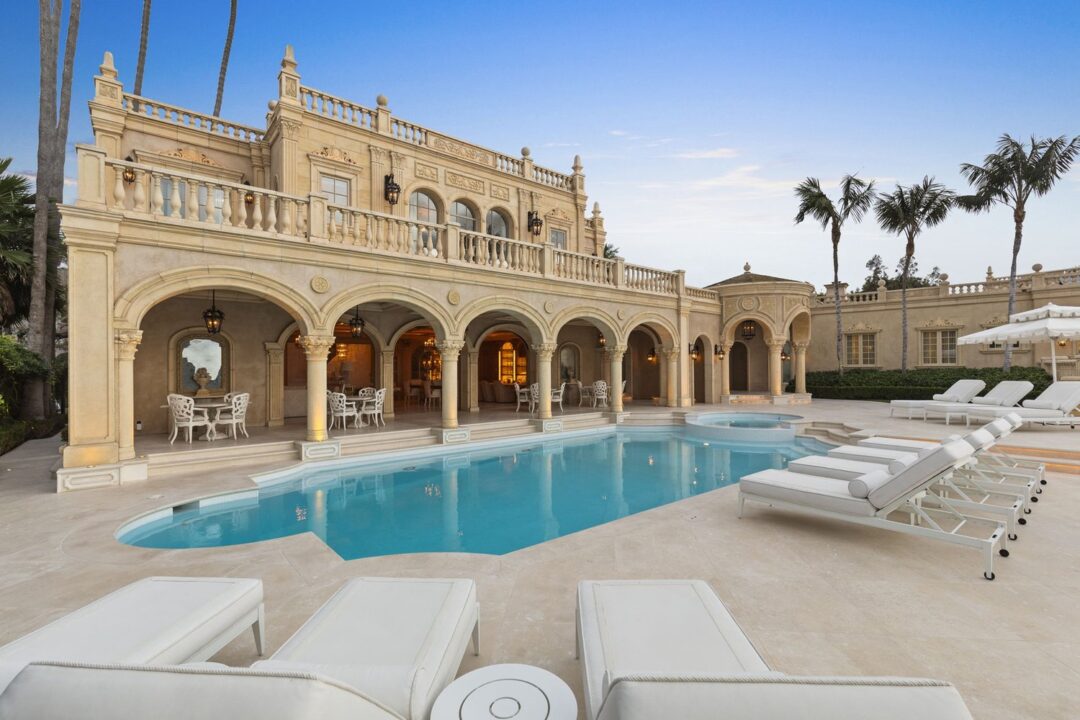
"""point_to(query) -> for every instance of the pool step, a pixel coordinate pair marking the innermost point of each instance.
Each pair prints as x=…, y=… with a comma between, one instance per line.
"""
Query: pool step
x=384, y=440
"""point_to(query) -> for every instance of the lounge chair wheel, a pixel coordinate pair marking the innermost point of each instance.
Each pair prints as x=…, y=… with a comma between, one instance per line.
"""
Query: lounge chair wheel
x=1022, y=521
x=1012, y=536
x=1042, y=482
x=1034, y=499
x=1003, y=553
x=989, y=576
x=1027, y=511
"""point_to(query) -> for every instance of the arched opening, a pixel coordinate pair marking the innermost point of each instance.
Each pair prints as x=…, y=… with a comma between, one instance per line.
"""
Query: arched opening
x=700, y=362
x=500, y=341
x=740, y=371
x=584, y=339
x=642, y=366
x=501, y=361
x=754, y=335
x=499, y=223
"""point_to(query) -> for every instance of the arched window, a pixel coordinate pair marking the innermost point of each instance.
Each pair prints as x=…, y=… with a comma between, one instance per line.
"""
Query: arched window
x=569, y=364
x=422, y=207
x=463, y=215
x=497, y=224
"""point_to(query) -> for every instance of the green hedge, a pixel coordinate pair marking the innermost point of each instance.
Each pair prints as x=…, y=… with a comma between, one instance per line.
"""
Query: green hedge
x=15, y=432
x=920, y=384
x=17, y=364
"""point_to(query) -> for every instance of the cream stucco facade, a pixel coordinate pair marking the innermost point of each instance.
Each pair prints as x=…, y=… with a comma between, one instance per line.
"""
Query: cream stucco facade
x=289, y=230
x=871, y=323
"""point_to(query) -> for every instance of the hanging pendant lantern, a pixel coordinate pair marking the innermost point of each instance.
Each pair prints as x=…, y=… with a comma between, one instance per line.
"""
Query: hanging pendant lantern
x=212, y=317
x=356, y=324
x=748, y=330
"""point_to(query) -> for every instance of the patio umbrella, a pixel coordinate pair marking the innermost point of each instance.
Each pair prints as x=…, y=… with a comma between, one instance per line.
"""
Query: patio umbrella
x=1050, y=322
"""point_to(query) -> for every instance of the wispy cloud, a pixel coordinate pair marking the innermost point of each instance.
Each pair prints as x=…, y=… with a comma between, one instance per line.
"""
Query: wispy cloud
x=556, y=144
x=713, y=154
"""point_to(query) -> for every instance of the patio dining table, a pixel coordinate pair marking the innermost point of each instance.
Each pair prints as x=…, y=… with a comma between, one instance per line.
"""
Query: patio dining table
x=211, y=430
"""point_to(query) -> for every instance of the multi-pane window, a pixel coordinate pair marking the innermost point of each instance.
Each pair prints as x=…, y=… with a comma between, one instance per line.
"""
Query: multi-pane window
x=939, y=347
x=463, y=215
x=557, y=238
x=335, y=190
x=422, y=207
x=497, y=225
x=424, y=240
x=860, y=349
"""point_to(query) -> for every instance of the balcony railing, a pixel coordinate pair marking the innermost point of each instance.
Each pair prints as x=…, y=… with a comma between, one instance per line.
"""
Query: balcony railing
x=193, y=200
x=156, y=110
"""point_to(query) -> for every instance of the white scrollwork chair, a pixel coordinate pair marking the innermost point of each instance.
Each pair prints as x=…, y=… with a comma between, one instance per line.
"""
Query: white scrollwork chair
x=600, y=393
x=340, y=407
x=523, y=396
x=186, y=415
x=367, y=393
x=534, y=398
x=235, y=416
x=373, y=407
x=432, y=396
x=557, y=396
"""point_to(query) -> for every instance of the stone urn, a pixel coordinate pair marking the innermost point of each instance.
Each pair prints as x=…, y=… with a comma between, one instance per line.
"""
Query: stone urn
x=202, y=379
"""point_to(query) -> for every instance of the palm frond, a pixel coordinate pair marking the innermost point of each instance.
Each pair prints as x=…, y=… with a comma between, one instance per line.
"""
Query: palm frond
x=814, y=203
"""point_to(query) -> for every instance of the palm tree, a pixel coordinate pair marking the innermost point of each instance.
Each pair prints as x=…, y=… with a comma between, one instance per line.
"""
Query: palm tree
x=49, y=182
x=908, y=211
x=16, y=241
x=856, y=196
x=225, y=58
x=1010, y=176
x=143, y=35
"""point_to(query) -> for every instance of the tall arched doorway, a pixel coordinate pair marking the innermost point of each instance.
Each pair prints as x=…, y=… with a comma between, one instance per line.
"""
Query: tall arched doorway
x=740, y=369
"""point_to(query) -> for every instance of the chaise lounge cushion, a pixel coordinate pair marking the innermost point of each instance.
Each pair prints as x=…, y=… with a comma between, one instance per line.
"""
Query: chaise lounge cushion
x=862, y=486
x=62, y=691
x=811, y=491
x=929, y=465
x=647, y=697
x=399, y=640
x=156, y=620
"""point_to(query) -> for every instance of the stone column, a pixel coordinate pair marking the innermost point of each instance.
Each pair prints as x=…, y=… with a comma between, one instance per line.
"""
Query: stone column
x=686, y=369
x=616, y=357
x=275, y=384
x=315, y=348
x=544, y=353
x=474, y=381
x=450, y=349
x=800, y=368
x=776, y=380
x=386, y=379
x=127, y=342
x=671, y=361
x=725, y=371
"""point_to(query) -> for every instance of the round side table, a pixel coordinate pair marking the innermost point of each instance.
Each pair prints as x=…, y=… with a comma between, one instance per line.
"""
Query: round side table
x=506, y=692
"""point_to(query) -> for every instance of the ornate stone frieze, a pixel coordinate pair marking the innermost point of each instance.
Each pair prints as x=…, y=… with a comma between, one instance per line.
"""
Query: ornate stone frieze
x=861, y=327
x=189, y=155
x=334, y=153
x=461, y=150
x=426, y=172
x=500, y=193
x=464, y=182
x=941, y=323
x=557, y=214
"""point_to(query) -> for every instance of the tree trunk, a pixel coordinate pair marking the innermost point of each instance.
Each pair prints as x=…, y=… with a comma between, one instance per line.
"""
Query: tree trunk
x=837, y=299
x=225, y=58
x=909, y=251
x=1018, y=235
x=143, y=35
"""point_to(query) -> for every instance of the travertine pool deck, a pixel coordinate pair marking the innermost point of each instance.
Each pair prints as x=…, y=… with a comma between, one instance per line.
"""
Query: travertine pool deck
x=816, y=597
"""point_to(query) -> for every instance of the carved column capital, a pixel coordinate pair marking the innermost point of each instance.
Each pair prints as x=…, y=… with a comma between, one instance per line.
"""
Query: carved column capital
x=450, y=349
x=274, y=352
x=315, y=346
x=127, y=342
x=671, y=354
x=776, y=344
x=545, y=351
x=378, y=154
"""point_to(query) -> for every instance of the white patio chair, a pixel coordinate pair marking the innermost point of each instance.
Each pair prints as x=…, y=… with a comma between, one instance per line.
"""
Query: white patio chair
x=523, y=396
x=186, y=415
x=600, y=393
x=584, y=393
x=372, y=407
x=534, y=398
x=367, y=393
x=432, y=396
x=340, y=407
x=557, y=396
x=236, y=414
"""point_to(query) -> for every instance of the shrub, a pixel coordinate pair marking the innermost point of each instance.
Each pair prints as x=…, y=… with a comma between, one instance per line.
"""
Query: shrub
x=920, y=384
x=17, y=364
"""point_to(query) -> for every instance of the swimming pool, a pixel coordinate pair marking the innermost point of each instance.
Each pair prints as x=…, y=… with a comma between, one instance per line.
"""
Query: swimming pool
x=493, y=501
x=743, y=427
x=748, y=420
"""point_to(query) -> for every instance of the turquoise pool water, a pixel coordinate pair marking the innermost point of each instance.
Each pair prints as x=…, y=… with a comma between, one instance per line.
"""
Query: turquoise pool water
x=748, y=420
x=494, y=501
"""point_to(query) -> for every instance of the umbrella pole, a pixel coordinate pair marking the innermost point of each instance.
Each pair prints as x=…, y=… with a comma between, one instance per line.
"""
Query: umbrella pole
x=1053, y=358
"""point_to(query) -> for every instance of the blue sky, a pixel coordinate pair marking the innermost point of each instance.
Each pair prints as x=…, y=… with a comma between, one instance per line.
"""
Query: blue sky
x=694, y=120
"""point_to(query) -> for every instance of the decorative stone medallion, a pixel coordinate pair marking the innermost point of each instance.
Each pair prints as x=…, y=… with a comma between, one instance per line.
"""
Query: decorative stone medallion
x=453, y=297
x=320, y=284
x=748, y=303
x=549, y=306
x=622, y=314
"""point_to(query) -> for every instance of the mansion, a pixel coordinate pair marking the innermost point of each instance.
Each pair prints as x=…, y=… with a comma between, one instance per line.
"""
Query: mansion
x=342, y=247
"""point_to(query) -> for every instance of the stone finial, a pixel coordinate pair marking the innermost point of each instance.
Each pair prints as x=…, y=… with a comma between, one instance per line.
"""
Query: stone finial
x=578, y=167
x=989, y=273
x=596, y=209
x=381, y=101
x=289, y=61
x=944, y=278
x=271, y=105
x=746, y=267
x=526, y=152
x=881, y=284
x=1037, y=267
x=107, y=68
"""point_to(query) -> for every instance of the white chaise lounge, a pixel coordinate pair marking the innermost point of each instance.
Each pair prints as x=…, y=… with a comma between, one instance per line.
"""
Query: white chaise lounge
x=398, y=640
x=1003, y=397
x=872, y=499
x=960, y=391
x=1054, y=406
x=654, y=649
x=154, y=621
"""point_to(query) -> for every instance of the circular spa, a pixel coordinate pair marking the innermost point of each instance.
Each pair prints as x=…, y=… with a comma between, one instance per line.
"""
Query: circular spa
x=493, y=498
x=744, y=426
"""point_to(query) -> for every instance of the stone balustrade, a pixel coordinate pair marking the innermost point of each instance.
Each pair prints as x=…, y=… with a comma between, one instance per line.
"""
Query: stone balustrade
x=500, y=253
x=861, y=297
x=335, y=108
x=163, y=112
x=702, y=294
x=583, y=268
x=647, y=279
x=377, y=231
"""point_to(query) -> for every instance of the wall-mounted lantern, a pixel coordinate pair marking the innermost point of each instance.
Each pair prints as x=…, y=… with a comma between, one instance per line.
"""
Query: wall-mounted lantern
x=536, y=225
x=391, y=190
